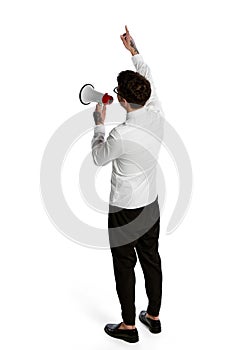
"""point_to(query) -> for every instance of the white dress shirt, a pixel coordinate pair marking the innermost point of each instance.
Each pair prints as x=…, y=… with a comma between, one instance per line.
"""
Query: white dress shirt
x=133, y=148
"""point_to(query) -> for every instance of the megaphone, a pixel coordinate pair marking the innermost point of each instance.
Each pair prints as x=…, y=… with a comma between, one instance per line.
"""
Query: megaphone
x=88, y=94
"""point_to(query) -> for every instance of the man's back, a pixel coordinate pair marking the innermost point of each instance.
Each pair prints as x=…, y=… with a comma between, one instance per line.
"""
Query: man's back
x=133, y=182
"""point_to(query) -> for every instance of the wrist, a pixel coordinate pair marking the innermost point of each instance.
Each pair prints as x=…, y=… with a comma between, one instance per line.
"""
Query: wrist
x=134, y=52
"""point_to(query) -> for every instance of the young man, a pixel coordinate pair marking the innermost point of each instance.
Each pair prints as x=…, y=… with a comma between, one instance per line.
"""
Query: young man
x=133, y=147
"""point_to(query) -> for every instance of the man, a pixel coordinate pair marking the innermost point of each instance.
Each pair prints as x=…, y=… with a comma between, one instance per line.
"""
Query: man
x=132, y=148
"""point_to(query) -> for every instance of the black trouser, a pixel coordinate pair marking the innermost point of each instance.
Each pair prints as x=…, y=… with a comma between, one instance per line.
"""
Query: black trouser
x=124, y=261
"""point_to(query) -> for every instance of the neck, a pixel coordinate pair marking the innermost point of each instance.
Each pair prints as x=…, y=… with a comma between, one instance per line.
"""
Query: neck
x=130, y=109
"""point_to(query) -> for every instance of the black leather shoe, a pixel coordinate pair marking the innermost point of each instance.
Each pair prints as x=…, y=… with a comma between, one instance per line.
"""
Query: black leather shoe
x=153, y=325
x=129, y=335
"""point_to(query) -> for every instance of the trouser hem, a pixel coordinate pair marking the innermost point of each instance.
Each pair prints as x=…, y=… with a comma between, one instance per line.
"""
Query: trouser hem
x=152, y=312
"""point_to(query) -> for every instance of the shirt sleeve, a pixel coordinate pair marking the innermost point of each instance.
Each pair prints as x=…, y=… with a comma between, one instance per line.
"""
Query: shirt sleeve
x=105, y=151
x=142, y=68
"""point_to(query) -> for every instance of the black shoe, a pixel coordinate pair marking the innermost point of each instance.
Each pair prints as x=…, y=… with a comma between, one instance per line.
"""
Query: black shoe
x=153, y=325
x=129, y=335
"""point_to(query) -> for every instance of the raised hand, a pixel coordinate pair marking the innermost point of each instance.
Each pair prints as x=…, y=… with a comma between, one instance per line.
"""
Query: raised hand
x=129, y=42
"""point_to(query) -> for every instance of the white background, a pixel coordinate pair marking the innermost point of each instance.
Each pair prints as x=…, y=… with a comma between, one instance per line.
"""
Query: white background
x=56, y=294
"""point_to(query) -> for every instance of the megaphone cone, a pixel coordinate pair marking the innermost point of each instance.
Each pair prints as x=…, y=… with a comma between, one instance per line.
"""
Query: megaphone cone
x=87, y=95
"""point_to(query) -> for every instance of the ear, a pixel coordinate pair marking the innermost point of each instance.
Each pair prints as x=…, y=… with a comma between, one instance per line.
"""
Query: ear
x=123, y=100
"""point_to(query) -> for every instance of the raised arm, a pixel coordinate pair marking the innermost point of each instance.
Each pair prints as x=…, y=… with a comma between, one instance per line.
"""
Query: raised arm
x=142, y=68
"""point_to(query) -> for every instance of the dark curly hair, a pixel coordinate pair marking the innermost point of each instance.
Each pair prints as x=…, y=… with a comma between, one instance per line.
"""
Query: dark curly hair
x=134, y=87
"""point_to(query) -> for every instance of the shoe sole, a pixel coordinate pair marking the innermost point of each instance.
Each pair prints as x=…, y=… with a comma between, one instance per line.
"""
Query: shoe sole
x=151, y=329
x=135, y=340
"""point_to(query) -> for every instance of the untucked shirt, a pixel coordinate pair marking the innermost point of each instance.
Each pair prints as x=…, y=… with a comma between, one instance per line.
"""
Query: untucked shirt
x=133, y=148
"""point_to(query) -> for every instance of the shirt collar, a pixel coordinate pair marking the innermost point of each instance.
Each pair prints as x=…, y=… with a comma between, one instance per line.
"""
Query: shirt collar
x=133, y=114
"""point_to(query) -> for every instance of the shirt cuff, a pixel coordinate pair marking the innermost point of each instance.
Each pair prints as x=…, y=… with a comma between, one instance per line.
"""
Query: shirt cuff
x=137, y=57
x=99, y=128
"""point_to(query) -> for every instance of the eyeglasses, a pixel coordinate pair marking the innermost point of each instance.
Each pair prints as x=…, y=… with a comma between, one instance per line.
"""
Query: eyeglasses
x=116, y=91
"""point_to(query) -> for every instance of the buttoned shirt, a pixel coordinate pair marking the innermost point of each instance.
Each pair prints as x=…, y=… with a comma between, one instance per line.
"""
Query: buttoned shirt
x=133, y=148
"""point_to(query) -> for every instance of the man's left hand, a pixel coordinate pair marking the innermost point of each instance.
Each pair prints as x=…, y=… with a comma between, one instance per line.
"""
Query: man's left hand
x=99, y=114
